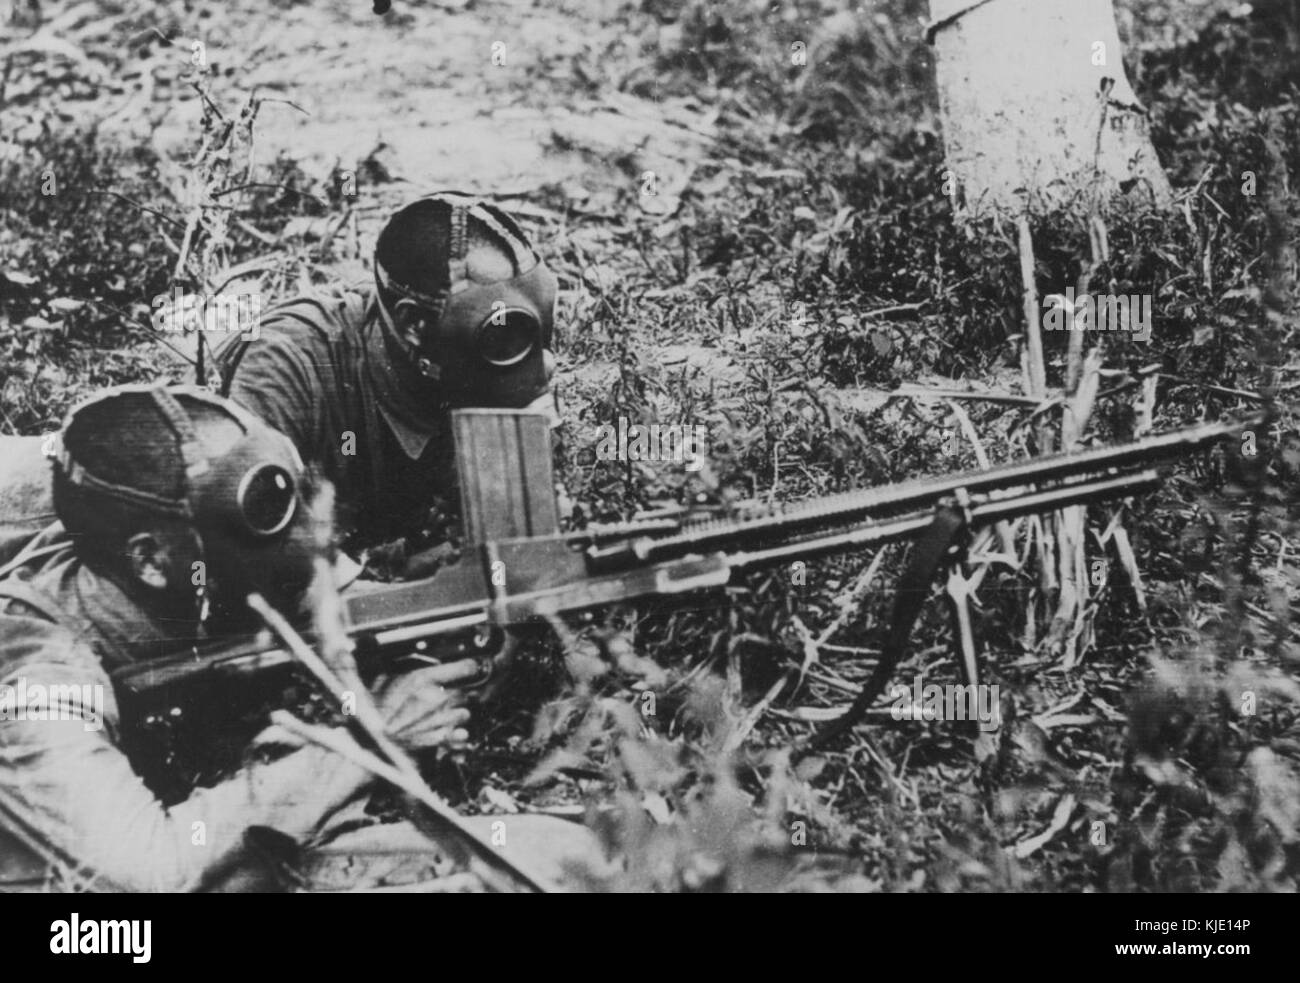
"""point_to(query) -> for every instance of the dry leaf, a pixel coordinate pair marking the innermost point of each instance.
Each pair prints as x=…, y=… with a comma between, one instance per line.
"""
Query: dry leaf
x=1030, y=846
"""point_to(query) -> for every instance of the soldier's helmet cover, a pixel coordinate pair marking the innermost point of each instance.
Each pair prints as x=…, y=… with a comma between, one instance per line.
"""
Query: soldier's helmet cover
x=482, y=336
x=201, y=461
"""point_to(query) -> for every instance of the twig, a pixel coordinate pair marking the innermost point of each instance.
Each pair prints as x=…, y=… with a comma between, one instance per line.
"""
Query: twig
x=737, y=737
x=273, y=186
x=895, y=309
x=402, y=771
x=1035, y=370
x=136, y=204
x=917, y=391
x=158, y=335
x=888, y=771
x=207, y=99
x=848, y=603
x=288, y=102
x=968, y=428
x=345, y=691
x=347, y=748
x=1223, y=390
x=1276, y=624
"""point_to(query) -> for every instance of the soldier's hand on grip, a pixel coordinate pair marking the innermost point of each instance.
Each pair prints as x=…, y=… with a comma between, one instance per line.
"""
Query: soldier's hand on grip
x=418, y=712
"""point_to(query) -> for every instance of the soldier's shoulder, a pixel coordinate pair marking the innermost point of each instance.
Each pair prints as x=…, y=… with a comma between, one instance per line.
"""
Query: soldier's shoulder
x=323, y=315
x=32, y=642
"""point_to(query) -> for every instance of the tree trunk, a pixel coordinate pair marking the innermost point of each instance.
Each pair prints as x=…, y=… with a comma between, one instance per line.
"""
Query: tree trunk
x=1036, y=108
x=1039, y=116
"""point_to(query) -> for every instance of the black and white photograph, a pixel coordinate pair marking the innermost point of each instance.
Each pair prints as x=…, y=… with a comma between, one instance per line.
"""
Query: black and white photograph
x=650, y=447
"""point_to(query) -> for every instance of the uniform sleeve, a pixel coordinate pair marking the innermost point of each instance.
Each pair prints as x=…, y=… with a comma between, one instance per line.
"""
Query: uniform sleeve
x=70, y=794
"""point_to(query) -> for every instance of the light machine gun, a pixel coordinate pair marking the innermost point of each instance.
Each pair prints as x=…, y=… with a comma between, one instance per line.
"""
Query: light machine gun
x=517, y=567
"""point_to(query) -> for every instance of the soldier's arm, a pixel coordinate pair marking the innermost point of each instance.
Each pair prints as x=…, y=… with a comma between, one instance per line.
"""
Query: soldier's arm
x=71, y=795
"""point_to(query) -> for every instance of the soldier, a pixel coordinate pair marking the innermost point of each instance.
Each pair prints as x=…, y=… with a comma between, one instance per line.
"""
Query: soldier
x=25, y=506
x=461, y=314
x=156, y=486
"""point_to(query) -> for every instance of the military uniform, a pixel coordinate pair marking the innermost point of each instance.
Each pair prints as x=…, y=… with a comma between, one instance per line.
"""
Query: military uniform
x=323, y=372
x=75, y=815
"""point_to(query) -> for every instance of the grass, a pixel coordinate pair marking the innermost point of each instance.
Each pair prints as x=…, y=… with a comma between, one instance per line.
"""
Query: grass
x=817, y=205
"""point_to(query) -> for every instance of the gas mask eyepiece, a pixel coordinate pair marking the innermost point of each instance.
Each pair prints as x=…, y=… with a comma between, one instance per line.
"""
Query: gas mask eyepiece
x=267, y=499
x=507, y=336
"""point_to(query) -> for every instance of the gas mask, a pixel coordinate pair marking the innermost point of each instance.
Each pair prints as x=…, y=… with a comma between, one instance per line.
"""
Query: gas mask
x=244, y=500
x=484, y=343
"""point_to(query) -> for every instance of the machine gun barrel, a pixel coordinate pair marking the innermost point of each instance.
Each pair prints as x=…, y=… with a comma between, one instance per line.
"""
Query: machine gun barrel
x=919, y=493
x=992, y=508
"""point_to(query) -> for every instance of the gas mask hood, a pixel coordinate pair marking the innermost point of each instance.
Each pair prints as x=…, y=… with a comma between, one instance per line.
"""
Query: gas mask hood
x=243, y=496
x=483, y=342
